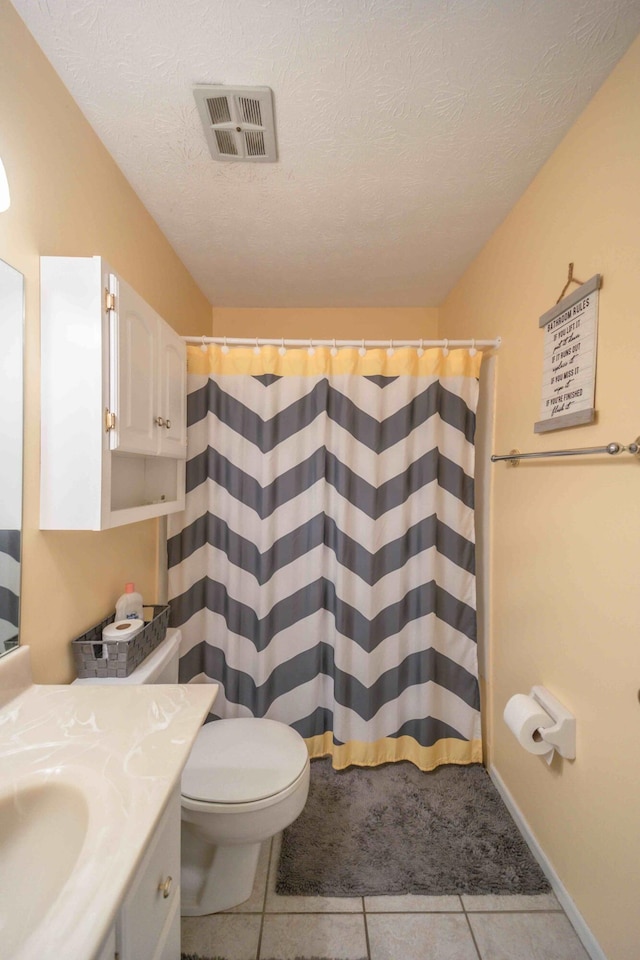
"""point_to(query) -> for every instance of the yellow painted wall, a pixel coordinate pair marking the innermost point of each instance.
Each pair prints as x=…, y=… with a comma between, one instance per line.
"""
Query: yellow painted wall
x=69, y=198
x=565, y=558
x=373, y=323
x=565, y=561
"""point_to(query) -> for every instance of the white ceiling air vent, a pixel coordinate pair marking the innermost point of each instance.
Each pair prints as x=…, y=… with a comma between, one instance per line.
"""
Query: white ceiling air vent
x=238, y=122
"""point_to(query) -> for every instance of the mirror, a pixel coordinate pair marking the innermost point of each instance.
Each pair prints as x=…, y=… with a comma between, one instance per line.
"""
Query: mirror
x=11, y=400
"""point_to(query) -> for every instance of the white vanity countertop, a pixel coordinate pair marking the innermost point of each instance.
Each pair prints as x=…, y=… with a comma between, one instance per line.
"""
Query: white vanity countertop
x=127, y=745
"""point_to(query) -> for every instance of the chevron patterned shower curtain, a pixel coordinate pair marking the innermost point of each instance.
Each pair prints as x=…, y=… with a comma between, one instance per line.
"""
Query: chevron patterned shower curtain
x=323, y=570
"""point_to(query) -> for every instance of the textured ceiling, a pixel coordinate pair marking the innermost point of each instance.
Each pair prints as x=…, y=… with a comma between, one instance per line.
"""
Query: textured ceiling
x=406, y=129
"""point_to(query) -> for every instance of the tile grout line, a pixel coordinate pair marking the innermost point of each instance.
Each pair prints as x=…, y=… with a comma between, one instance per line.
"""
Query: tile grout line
x=396, y=913
x=366, y=930
x=410, y=913
x=476, y=913
x=470, y=928
x=355, y=913
x=264, y=900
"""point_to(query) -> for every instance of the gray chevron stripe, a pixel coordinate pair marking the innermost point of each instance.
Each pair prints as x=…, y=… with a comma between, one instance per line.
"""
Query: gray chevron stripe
x=377, y=435
x=417, y=668
x=240, y=618
x=381, y=382
x=317, y=723
x=10, y=543
x=426, y=732
x=9, y=605
x=375, y=501
x=322, y=529
x=266, y=379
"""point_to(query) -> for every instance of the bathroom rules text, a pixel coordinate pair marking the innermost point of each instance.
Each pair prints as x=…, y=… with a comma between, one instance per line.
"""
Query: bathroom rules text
x=569, y=367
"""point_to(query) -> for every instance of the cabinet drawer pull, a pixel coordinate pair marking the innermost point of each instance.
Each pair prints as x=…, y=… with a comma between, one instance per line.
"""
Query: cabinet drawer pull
x=168, y=424
x=164, y=887
x=160, y=421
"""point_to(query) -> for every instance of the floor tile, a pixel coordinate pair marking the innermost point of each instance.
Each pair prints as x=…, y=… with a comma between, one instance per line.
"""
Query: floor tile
x=277, y=904
x=314, y=935
x=285, y=904
x=220, y=934
x=527, y=936
x=420, y=937
x=255, y=903
x=484, y=903
x=412, y=903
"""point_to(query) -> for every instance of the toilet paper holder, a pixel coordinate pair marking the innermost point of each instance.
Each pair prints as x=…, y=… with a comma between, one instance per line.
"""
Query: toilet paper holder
x=562, y=735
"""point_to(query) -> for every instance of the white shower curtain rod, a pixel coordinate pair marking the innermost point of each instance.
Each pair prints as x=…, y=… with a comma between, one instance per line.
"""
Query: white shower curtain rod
x=366, y=344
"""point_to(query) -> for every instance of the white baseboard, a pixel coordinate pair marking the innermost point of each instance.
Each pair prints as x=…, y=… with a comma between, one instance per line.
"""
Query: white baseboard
x=576, y=919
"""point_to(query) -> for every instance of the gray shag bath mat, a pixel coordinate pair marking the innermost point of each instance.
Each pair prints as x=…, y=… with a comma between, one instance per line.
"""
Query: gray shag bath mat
x=394, y=830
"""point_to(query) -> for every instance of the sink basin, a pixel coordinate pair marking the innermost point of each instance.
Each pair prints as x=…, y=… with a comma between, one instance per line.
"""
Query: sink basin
x=44, y=820
x=84, y=779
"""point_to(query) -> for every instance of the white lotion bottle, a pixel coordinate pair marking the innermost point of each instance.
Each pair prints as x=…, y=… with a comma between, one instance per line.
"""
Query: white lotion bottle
x=129, y=605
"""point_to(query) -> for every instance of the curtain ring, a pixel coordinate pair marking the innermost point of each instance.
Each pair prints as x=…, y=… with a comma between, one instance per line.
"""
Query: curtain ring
x=225, y=348
x=203, y=345
x=282, y=349
x=472, y=349
x=312, y=349
x=334, y=349
x=256, y=349
x=420, y=350
x=445, y=349
x=363, y=350
x=390, y=351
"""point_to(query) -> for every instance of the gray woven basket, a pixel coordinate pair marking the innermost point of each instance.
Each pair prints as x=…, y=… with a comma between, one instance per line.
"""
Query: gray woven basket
x=122, y=656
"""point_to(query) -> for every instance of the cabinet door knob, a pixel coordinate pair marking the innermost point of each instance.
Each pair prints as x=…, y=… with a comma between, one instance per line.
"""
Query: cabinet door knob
x=164, y=887
x=168, y=424
x=160, y=421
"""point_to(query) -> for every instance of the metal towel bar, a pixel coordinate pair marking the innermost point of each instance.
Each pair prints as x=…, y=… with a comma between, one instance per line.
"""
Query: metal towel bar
x=515, y=456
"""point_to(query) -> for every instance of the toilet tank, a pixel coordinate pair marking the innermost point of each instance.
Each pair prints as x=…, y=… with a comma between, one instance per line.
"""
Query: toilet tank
x=161, y=666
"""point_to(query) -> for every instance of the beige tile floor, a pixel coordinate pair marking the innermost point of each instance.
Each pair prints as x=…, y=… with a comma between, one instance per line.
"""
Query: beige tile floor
x=382, y=928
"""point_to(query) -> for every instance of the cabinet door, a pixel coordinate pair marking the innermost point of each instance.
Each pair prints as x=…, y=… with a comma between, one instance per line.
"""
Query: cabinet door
x=148, y=926
x=134, y=373
x=173, y=393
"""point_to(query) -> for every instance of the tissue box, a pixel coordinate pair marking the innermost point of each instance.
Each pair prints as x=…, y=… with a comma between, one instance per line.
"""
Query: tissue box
x=95, y=657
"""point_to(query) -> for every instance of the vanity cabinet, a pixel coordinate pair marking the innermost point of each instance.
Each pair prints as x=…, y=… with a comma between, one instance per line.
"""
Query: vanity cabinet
x=113, y=401
x=148, y=925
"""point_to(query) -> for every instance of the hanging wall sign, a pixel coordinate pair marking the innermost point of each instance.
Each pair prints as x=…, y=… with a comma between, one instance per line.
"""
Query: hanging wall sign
x=570, y=348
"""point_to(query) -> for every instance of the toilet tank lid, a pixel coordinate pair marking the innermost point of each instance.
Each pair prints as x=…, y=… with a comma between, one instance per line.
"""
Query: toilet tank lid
x=242, y=760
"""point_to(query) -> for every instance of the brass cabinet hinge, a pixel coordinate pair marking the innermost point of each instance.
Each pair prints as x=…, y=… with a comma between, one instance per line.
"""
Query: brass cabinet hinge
x=109, y=420
x=109, y=300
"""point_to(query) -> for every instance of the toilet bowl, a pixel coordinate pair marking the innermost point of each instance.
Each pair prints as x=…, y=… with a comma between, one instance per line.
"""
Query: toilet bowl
x=245, y=780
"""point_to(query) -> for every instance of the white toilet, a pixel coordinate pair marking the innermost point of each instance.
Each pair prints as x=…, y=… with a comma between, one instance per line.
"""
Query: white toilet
x=245, y=780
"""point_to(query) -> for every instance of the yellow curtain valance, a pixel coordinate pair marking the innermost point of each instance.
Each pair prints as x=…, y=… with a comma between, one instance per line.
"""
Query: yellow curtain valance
x=300, y=362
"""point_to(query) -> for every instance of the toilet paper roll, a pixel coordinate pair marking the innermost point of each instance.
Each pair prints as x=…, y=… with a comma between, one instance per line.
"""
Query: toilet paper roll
x=525, y=717
x=122, y=629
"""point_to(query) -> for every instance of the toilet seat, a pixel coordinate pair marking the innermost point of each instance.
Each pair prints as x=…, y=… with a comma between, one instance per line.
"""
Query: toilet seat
x=243, y=761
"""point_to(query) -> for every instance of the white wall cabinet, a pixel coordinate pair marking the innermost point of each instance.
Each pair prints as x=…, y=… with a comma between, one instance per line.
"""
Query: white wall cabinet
x=148, y=381
x=113, y=401
x=172, y=370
